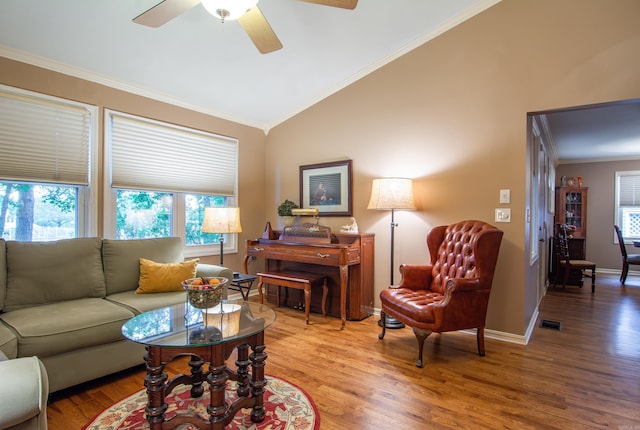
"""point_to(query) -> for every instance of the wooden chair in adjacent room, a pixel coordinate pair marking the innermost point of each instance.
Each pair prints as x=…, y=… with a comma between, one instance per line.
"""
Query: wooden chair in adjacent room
x=566, y=264
x=452, y=292
x=627, y=259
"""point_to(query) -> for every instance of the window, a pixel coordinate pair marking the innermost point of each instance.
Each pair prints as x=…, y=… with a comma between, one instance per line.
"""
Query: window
x=47, y=163
x=162, y=176
x=628, y=204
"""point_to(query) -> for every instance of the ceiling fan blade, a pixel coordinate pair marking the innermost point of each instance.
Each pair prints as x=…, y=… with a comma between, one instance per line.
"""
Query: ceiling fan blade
x=344, y=4
x=259, y=31
x=164, y=12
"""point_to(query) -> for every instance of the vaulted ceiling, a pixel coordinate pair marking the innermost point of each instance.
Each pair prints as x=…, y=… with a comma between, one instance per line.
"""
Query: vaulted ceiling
x=198, y=62
x=195, y=61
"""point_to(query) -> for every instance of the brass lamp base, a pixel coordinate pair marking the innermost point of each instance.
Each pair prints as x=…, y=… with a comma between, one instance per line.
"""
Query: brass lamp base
x=391, y=322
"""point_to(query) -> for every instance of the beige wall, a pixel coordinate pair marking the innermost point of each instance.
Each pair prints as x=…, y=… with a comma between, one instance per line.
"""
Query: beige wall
x=450, y=114
x=251, y=140
x=600, y=178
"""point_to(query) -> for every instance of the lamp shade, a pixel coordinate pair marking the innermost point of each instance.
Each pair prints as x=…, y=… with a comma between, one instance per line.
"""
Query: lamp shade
x=228, y=9
x=221, y=220
x=391, y=193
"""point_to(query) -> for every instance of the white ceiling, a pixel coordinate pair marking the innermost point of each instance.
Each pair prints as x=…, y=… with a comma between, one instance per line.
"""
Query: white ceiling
x=199, y=63
x=196, y=62
x=603, y=132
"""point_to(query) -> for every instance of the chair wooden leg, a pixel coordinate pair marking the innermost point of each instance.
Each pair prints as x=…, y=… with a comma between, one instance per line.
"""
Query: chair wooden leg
x=593, y=281
x=421, y=335
x=566, y=276
x=260, y=286
x=556, y=278
x=625, y=271
x=307, y=301
x=383, y=318
x=480, y=338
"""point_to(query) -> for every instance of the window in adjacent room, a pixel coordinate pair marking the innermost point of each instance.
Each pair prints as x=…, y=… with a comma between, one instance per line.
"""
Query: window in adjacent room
x=628, y=204
x=47, y=166
x=162, y=176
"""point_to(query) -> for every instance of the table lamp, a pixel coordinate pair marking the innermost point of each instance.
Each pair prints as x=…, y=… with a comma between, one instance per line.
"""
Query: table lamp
x=391, y=194
x=221, y=221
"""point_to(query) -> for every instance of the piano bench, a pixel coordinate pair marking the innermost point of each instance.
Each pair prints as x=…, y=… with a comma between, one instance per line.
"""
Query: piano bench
x=299, y=280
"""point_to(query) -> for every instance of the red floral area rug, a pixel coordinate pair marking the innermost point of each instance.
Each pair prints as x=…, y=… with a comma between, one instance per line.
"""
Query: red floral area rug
x=287, y=407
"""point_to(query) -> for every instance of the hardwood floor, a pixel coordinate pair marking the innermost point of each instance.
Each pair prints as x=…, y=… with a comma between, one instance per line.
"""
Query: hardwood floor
x=584, y=376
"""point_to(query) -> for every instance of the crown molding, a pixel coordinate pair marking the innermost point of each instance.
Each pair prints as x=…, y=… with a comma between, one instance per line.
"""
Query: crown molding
x=80, y=73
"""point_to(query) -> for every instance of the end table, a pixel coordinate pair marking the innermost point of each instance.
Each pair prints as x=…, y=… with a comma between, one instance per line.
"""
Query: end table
x=243, y=283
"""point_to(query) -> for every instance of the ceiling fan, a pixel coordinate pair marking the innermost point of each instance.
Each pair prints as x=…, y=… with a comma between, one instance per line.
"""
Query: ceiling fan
x=245, y=11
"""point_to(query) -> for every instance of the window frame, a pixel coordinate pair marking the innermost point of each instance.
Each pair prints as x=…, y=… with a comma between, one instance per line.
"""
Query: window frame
x=619, y=211
x=178, y=225
x=87, y=196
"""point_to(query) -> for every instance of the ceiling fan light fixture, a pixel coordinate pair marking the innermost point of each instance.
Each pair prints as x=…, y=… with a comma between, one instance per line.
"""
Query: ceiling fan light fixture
x=228, y=9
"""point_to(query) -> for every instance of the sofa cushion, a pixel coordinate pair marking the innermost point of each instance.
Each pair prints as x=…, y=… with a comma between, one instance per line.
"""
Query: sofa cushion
x=164, y=277
x=48, y=272
x=3, y=272
x=8, y=342
x=121, y=259
x=66, y=326
x=139, y=303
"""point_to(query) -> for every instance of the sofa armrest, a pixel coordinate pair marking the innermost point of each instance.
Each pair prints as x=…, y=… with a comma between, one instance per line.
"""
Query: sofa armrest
x=213, y=270
x=24, y=392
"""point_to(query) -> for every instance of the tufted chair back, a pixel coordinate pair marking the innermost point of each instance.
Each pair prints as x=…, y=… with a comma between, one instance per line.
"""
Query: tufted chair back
x=451, y=293
x=455, y=250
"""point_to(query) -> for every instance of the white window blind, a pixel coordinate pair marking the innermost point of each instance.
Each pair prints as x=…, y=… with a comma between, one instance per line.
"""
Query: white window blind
x=627, y=217
x=629, y=189
x=43, y=139
x=150, y=155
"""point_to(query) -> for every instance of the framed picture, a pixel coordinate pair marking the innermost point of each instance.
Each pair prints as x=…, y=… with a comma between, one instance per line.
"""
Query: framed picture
x=327, y=186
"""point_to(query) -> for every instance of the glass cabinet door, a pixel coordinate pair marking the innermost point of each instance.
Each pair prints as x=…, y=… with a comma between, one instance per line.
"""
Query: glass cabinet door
x=573, y=207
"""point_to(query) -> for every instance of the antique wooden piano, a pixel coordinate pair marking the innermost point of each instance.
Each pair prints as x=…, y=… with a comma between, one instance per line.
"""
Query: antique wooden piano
x=345, y=258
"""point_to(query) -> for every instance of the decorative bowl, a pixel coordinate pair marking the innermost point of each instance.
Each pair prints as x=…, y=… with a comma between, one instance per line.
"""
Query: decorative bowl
x=204, y=292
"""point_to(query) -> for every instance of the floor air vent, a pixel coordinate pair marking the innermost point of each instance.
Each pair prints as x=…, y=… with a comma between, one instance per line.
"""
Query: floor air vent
x=554, y=325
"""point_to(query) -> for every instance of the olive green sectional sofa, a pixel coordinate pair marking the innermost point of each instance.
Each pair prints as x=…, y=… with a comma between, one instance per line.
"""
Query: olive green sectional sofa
x=65, y=302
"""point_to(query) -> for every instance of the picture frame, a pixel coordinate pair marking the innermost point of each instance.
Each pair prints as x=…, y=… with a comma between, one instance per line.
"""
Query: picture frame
x=327, y=187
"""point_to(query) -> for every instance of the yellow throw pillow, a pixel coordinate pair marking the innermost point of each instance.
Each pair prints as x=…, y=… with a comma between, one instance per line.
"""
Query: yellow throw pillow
x=164, y=277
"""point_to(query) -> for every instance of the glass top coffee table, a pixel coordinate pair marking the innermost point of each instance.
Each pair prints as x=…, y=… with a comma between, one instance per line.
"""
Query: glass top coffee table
x=179, y=330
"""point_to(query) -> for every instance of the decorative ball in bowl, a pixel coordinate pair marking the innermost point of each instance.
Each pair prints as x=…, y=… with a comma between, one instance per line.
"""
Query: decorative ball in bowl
x=204, y=292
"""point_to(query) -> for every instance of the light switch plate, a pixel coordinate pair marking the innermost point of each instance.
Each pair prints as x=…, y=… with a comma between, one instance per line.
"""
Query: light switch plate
x=505, y=196
x=503, y=215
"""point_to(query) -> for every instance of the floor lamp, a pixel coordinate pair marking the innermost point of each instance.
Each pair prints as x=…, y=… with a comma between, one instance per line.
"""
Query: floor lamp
x=221, y=221
x=391, y=194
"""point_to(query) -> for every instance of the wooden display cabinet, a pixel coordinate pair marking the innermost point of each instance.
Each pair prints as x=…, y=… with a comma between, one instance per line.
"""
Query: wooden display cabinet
x=571, y=209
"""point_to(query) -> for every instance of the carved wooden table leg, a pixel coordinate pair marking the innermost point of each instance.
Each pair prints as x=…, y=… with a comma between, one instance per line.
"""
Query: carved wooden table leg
x=197, y=389
x=217, y=380
x=242, y=363
x=155, y=384
x=258, y=357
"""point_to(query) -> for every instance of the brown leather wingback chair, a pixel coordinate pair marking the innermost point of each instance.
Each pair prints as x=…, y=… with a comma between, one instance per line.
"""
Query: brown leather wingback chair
x=451, y=293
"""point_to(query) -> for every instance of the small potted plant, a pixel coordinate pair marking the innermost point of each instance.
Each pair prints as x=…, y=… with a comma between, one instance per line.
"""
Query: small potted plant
x=284, y=211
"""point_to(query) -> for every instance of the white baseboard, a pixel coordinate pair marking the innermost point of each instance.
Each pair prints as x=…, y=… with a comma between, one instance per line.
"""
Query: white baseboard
x=494, y=334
